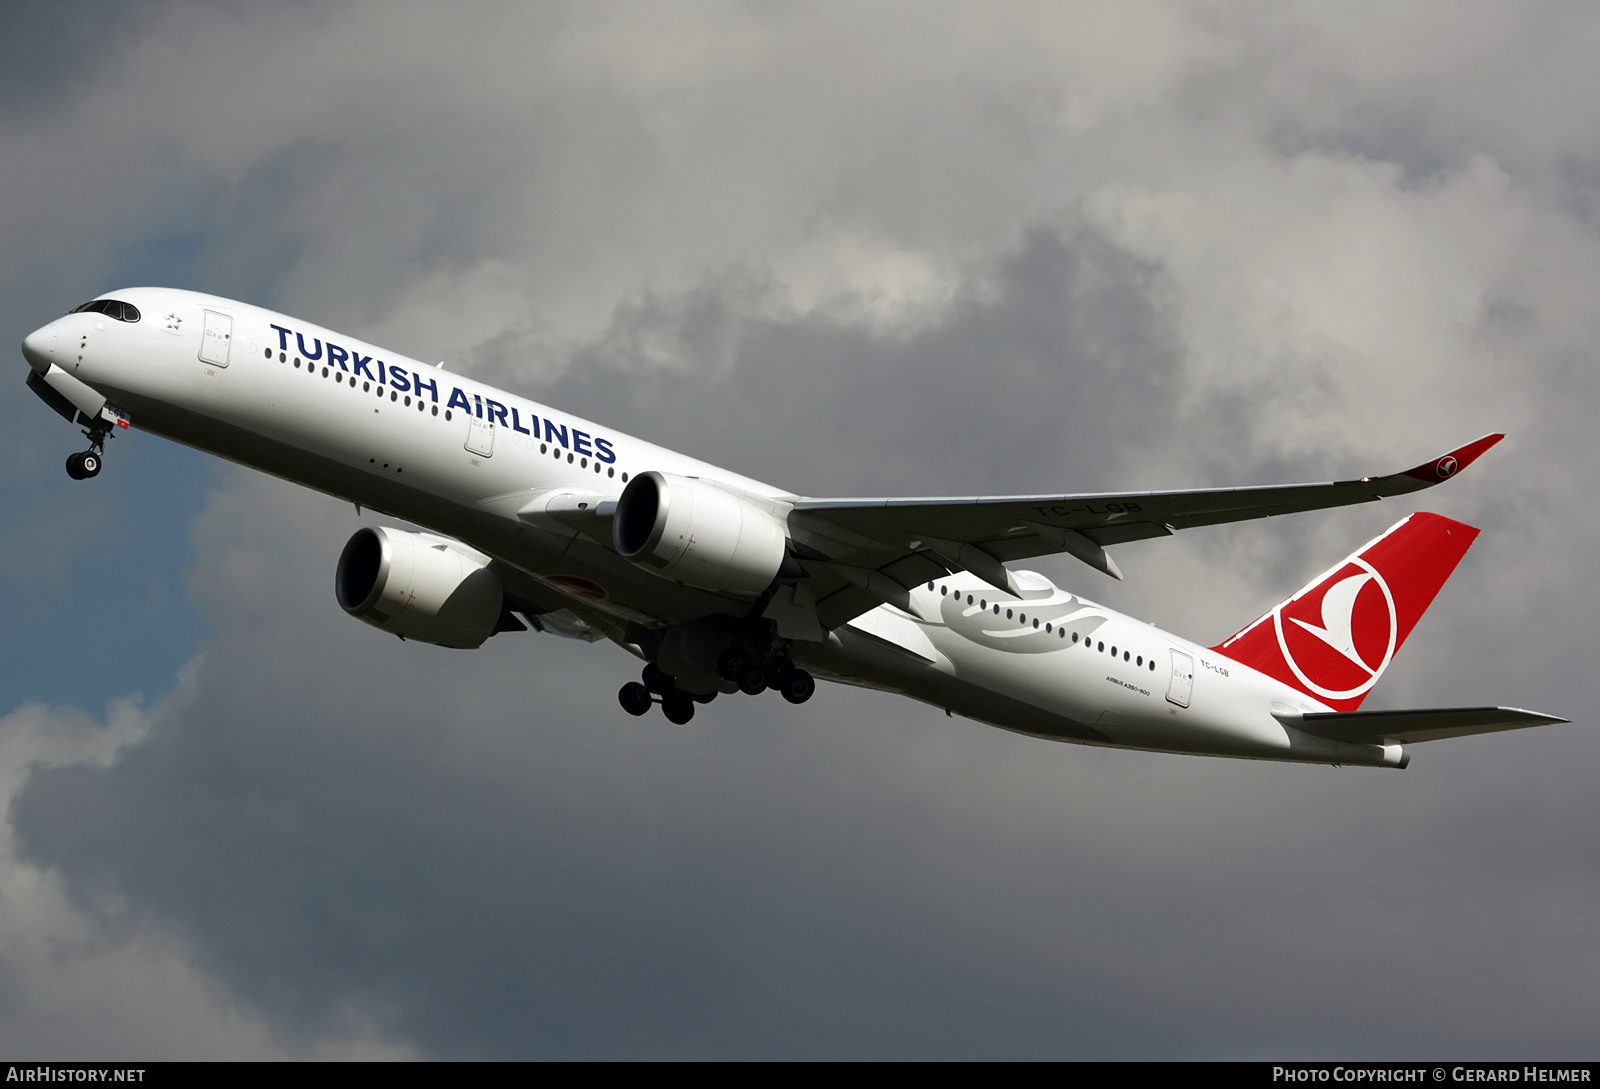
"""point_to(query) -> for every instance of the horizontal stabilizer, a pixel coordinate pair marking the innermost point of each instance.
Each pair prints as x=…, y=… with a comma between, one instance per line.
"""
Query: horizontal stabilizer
x=1424, y=724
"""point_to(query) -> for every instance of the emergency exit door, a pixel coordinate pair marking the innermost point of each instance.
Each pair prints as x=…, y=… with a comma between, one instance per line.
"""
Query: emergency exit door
x=215, y=336
x=1182, y=685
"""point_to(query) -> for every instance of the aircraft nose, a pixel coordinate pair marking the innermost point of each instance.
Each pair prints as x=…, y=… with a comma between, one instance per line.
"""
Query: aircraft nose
x=39, y=348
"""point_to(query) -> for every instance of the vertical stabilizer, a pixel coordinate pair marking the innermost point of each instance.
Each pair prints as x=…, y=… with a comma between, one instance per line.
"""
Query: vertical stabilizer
x=1334, y=639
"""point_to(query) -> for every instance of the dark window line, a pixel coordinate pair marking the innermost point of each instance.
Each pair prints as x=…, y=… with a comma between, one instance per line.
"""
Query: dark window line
x=366, y=387
x=1022, y=618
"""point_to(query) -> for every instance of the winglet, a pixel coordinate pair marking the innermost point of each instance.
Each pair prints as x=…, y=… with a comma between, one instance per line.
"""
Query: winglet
x=1441, y=469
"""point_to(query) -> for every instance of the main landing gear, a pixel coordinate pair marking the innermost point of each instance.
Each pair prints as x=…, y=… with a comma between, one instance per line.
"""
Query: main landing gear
x=752, y=677
x=658, y=686
x=86, y=465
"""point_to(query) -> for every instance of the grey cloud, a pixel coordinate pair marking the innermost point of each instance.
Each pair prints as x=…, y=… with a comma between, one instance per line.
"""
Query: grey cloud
x=1048, y=373
x=54, y=53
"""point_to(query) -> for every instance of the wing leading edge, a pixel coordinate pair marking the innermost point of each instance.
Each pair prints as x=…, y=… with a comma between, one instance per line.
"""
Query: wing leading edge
x=862, y=552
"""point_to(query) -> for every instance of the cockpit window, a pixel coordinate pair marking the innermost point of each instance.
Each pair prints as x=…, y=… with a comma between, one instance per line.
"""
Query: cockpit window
x=111, y=308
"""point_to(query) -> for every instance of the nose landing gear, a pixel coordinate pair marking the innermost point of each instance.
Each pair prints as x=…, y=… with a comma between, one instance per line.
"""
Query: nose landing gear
x=86, y=465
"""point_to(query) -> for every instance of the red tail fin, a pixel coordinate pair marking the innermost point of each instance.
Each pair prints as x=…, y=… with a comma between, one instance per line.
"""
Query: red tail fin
x=1334, y=639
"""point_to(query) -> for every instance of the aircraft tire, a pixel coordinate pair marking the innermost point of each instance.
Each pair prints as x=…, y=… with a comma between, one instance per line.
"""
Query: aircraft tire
x=753, y=681
x=75, y=466
x=635, y=698
x=798, y=686
x=678, y=708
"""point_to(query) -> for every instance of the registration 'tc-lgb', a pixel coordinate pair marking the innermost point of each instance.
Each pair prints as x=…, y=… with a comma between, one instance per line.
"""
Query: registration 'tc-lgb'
x=723, y=585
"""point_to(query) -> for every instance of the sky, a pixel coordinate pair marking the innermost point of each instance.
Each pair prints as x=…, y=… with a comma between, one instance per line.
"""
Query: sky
x=899, y=248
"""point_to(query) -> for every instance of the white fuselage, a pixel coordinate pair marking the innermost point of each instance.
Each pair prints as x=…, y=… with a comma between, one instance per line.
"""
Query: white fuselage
x=461, y=458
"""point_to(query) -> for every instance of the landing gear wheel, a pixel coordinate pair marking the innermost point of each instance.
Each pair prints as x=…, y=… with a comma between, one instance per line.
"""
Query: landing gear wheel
x=84, y=465
x=797, y=686
x=635, y=698
x=656, y=680
x=753, y=681
x=678, y=708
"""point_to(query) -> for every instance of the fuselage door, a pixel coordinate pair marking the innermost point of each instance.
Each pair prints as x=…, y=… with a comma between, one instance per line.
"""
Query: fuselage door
x=480, y=437
x=215, y=338
x=1182, y=685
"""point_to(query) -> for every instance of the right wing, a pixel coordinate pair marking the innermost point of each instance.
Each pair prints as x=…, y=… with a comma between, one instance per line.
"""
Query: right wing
x=861, y=552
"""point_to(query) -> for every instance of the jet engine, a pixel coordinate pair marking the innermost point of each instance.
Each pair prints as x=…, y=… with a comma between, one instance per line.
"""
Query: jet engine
x=697, y=533
x=419, y=586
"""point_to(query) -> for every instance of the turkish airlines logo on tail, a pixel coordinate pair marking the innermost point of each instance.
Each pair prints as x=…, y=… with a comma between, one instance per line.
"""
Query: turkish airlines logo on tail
x=1338, y=638
x=1334, y=639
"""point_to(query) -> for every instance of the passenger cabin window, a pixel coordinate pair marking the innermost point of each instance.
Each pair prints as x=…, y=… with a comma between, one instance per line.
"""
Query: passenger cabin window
x=111, y=308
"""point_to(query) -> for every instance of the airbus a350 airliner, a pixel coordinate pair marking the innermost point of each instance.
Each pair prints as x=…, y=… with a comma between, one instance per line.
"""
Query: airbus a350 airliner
x=723, y=584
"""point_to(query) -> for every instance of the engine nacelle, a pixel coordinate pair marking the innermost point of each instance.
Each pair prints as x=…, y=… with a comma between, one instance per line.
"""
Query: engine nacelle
x=696, y=533
x=419, y=586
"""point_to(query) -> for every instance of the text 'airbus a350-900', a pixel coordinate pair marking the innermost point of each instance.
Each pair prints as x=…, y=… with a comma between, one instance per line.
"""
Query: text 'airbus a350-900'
x=721, y=584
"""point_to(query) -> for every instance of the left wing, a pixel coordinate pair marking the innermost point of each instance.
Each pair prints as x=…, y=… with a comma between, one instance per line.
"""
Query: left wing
x=861, y=552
